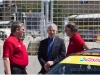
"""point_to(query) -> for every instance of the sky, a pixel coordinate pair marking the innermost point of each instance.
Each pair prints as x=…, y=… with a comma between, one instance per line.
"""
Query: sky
x=1, y=0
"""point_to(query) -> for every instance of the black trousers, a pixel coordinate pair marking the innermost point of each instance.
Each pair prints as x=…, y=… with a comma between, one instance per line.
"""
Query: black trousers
x=42, y=71
x=18, y=70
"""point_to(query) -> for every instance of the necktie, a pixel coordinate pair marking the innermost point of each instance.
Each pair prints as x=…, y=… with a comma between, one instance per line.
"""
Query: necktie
x=50, y=50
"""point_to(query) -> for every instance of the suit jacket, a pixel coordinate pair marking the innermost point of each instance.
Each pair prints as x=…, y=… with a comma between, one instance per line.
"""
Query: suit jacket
x=58, y=52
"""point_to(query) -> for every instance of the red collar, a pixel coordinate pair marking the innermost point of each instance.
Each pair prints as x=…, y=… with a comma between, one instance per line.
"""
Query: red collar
x=74, y=35
x=15, y=37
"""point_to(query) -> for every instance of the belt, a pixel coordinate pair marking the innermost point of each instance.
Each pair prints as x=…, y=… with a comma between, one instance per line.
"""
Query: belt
x=17, y=66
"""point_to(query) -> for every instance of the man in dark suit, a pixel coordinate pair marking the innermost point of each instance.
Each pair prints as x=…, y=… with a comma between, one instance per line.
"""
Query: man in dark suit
x=51, y=50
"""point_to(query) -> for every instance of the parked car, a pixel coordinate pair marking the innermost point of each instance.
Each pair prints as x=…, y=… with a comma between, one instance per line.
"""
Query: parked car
x=85, y=62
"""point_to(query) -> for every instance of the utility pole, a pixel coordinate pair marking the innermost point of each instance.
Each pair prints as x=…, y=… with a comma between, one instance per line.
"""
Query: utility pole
x=47, y=17
x=42, y=20
x=44, y=28
x=51, y=15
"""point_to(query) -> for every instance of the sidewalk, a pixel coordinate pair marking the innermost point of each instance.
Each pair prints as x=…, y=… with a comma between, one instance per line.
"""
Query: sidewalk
x=32, y=68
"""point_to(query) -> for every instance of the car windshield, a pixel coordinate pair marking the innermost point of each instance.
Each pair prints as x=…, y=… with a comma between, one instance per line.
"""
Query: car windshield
x=74, y=69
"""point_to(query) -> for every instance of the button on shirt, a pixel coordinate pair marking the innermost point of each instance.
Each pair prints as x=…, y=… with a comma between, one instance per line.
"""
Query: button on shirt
x=50, y=47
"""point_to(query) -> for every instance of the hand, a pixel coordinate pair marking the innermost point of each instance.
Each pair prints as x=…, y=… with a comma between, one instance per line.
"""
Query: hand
x=46, y=67
x=50, y=63
x=26, y=72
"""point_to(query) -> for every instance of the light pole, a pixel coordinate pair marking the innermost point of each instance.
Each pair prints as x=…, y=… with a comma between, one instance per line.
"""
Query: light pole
x=46, y=15
x=42, y=20
x=51, y=11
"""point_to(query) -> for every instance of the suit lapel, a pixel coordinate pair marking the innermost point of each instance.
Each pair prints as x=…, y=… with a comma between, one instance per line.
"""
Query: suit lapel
x=46, y=45
x=55, y=43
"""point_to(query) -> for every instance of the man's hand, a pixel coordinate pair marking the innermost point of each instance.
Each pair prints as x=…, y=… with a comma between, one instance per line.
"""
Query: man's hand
x=46, y=67
x=26, y=72
x=50, y=63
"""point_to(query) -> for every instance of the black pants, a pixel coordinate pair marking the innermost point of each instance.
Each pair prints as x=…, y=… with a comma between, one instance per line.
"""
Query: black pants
x=18, y=70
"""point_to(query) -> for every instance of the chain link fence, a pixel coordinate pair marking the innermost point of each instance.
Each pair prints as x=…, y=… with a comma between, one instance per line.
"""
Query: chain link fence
x=36, y=15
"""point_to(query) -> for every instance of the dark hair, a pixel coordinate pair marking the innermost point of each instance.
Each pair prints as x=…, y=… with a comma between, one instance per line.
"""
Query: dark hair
x=15, y=25
x=72, y=26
